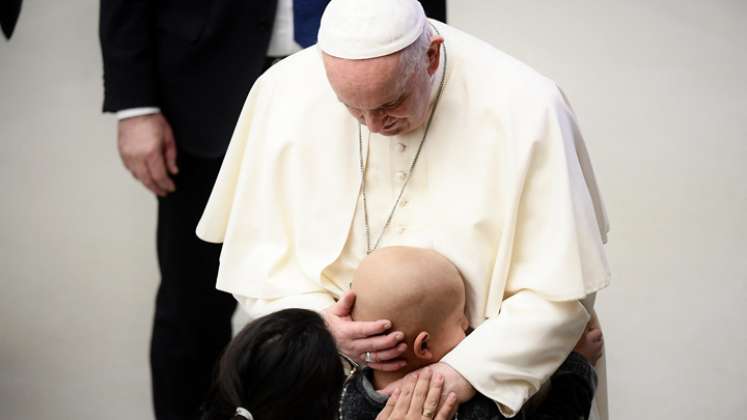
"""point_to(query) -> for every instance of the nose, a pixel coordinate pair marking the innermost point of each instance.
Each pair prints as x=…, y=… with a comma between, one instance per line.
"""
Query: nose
x=374, y=120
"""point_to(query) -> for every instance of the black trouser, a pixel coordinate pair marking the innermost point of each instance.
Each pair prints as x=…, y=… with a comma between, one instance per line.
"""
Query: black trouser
x=192, y=322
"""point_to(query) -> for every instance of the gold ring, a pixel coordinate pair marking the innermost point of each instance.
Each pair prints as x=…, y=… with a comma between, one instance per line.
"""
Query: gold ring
x=427, y=413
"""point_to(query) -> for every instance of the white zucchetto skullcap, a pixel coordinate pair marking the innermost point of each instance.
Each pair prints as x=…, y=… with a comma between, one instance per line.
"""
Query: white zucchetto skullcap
x=360, y=29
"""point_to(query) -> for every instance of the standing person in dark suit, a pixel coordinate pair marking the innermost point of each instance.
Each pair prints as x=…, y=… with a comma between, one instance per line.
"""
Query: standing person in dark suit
x=176, y=73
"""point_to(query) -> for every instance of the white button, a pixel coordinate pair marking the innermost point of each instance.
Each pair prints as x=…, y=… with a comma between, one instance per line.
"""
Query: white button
x=401, y=229
x=401, y=175
x=403, y=202
x=401, y=147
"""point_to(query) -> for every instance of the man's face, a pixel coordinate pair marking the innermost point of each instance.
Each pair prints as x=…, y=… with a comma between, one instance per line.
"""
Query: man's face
x=379, y=94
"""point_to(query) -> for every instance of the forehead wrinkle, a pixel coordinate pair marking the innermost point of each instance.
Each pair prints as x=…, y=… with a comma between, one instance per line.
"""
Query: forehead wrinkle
x=365, y=84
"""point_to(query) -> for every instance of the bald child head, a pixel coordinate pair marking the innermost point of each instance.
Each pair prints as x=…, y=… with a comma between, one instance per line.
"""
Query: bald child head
x=420, y=291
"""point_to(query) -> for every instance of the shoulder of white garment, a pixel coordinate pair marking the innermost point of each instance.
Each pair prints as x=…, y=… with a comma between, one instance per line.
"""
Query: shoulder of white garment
x=292, y=86
x=493, y=78
x=289, y=161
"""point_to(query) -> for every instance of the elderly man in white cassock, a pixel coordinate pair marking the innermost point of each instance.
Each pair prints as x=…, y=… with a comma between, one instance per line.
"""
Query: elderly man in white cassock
x=397, y=130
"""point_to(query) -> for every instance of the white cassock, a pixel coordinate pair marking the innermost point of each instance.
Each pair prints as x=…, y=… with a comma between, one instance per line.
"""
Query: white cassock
x=503, y=188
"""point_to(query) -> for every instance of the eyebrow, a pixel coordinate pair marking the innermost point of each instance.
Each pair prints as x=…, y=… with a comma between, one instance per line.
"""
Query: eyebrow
x=386, y=105
x=394, y=102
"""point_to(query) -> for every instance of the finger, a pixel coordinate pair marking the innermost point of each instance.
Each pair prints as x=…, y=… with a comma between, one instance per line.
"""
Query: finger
x=399, y=383
x=157, y=170
x=389, y=407
x=391, y=354
x=388, y=366
x=143, y=175
x=403, y=402
x=387, y=357
x=419, y=393
x=123, y=151
x=448, y=408
x=127, y=162
x=389, y=389
x=170, y=150
x=384, y=346
x=364, y=329
x=434, y=395
x=130, y=162
x=344, y=306
x=368, y=357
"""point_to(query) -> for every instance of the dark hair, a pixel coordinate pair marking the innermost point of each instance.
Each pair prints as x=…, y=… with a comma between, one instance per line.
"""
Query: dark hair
x=281, y=366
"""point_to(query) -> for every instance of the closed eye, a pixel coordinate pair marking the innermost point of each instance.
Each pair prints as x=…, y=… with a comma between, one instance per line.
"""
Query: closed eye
x=394, y=104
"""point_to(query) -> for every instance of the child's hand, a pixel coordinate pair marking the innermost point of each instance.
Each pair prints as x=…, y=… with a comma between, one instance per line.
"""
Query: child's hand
x=590, y=344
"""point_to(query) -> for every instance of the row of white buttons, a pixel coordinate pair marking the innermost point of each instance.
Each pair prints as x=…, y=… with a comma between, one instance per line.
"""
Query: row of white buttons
x=401, y=176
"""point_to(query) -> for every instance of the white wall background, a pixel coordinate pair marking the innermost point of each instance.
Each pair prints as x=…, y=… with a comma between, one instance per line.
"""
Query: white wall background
x=658, y=85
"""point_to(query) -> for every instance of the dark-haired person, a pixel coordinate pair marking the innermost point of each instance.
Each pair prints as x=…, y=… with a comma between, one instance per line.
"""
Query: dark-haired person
x=281, y=366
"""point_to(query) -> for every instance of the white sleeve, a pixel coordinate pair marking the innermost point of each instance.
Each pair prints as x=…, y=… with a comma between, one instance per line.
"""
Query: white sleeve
x=137, y=112
x=507, y=358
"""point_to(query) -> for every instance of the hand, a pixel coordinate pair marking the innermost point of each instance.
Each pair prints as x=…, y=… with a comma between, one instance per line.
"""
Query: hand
x=591, y=343
x=454, y=382
x=419, y=400
x=146, y=146
x=355, y=338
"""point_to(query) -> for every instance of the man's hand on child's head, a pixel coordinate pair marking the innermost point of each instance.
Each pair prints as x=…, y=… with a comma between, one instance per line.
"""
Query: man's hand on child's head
x=357, y=338
x=591, y=344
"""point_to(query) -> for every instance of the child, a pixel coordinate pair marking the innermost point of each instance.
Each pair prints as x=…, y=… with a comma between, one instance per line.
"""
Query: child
x=281, y=366
x=422, y=293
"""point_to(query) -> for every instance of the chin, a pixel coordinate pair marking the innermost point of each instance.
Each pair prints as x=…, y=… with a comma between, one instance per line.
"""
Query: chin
x=392, y=132
x=403, y=127
x=399, y=127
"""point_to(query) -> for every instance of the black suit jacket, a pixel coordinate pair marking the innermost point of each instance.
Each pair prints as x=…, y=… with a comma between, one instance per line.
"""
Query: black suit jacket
x=194, y=59
x=9, y=11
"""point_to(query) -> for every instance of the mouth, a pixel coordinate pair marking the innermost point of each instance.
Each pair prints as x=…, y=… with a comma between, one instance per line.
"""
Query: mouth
x=391, y=132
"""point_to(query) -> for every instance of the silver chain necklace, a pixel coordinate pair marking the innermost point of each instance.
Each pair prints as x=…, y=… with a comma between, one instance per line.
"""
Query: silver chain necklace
x=364, y=167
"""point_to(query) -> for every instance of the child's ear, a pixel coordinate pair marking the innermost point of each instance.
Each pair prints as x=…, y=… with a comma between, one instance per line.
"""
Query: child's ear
x=420, y=346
